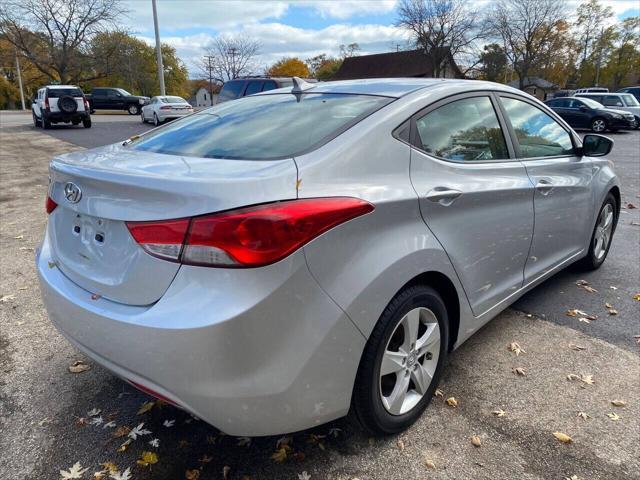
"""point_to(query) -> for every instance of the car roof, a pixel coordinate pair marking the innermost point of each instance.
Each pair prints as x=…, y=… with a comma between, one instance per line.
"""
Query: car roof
x=394, y=87
x=55, y=87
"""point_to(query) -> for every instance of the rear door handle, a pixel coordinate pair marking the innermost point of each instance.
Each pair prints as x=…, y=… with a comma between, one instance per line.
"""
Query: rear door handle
x=443, y=195
x=544, y=186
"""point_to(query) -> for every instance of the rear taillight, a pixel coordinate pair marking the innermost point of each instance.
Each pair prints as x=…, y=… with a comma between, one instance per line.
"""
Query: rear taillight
x=50, y=205
x=86, y=104
x=46, y=102
x=166, y=107
x=248, y=237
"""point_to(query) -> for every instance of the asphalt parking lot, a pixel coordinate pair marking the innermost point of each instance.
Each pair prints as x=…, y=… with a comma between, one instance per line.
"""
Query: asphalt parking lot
x=51, y=418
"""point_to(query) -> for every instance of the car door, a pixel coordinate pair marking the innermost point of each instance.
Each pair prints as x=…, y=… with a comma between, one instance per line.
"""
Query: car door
x=115, y=100
x=578, y=114
x=475, y=197
x=562, y=200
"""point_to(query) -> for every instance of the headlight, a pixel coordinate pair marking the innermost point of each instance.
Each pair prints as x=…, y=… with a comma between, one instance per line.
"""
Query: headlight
x=141, y=101
x=616, y=115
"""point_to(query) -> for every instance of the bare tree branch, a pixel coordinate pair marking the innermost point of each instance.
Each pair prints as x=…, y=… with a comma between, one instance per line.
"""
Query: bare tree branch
x=232, y=57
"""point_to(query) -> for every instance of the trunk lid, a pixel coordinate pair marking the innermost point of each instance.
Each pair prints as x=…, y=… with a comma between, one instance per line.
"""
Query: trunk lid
x=111, y=185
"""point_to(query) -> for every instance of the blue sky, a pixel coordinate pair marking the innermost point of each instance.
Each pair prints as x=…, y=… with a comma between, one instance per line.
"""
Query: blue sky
x=302, y=28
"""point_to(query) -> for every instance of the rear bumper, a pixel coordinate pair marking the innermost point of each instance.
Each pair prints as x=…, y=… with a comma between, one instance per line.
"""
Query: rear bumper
x=171, y=115
x=65, y=117
x=253, y=352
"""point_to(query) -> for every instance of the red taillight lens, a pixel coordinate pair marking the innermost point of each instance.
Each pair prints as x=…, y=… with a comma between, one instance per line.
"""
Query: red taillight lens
x=50, y=205
x=166, y=107
x=86, y=105
x=161, y=239
x=46, y=102
x=249, y=237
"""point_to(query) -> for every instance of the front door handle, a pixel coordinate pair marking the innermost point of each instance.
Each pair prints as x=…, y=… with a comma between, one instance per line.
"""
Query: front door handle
x=544, y=186
x=443, y=195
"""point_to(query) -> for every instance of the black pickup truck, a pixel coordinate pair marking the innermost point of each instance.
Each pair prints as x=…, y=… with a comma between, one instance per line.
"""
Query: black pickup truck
x=107, y=98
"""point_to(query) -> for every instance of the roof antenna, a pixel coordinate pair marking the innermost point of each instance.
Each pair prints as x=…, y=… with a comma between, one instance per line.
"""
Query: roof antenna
x=299, y=85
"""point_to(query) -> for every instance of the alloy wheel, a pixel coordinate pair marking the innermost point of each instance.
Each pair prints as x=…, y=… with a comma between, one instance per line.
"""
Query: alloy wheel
x=604, y=228
x=598, y=125
x=409, y=361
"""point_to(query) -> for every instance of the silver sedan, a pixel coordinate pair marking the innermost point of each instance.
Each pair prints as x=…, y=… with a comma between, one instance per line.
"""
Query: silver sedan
x=163, y=108
x=280, y=261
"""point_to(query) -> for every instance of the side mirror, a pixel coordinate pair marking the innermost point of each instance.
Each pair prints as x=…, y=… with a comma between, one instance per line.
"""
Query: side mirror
x=596, y=145
x=583, y=108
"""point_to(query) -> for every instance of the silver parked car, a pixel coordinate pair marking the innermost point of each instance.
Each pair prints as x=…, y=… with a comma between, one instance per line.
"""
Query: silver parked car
x=279, y=261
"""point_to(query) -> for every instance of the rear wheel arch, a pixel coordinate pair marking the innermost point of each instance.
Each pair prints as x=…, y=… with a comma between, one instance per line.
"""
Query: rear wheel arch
x=447, y=290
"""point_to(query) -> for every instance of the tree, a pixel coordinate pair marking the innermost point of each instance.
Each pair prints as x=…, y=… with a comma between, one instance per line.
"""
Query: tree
x=525, y=28
x=624, y=60
x=32, y=78
x=440, y=28
x=493, y=61
x=351, y=50
x=289, y=67
x=589, y=25
x=54, y=34
x=231, y=57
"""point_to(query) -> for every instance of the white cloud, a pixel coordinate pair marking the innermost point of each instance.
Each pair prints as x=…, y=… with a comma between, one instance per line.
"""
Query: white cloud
x=343, y=9
x=278, y=40
x=185, y=14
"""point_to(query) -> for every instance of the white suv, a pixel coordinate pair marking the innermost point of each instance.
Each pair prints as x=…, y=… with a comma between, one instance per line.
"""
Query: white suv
x=60, y=103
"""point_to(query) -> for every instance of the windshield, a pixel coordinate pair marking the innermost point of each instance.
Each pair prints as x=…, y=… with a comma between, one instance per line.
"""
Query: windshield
x=172, y=100
x=629, y=100
x=591, y=103
x=263, y=126
x=123, y=92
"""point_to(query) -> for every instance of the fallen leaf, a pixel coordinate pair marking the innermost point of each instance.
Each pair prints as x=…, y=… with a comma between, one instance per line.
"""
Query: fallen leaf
x=429, y=464
x=244, y=442
x=586, y=286
x=155, y=443
x=452, y=402
x=96, y=421
x=608, y=305
x=613, y=416
x=400, y=445
x=225, y=472
x=577, y=348
x=631, y=206
x=637, y=297
x=613, y=288
x=613, y=311
x=475, y=441
x=282, y=441
x=6, y=298
x=588, y=379
x=335, y=432
x=125, y=475
x=206, y=459
x=147, y=459
x=109, y=467
x=618, y=403
x=110, y=424
x=121, y=431
x=583, y=415
x=192, y=474
x=93, y=412
x=438, y=393
x=563, y=437
x=76, y=471
x=574, y=312
x=79, y=366
x=95, y=296
x=19, y=237
x=304, y=476
x=169, y=423
x=138, y=432
x=280, y=455
x=572, y=477
x=516, y=348
x=499, y=413
x=519, y=371
x=123, y=447
x=145, y=407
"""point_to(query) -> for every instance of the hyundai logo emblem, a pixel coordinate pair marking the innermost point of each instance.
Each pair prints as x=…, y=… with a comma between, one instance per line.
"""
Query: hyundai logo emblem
x=72, y=192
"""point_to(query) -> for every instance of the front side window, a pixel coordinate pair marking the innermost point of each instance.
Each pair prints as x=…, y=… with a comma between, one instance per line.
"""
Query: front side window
x=262, y=127
x=629, y=100
x=538, y=134
x=463, y=130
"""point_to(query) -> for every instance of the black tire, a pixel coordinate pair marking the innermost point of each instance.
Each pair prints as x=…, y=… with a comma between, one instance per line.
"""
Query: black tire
x=46, y=124
x=142, y=116
x=156, y=120
x=133, y=109
x=591, y=260
x=366, y=405
x=36, y=123
x=86, y=122
x=599, y=125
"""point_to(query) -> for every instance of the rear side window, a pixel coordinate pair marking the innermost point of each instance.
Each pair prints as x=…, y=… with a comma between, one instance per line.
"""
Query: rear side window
x=612, y=101
x=62, y=92
x=231, y=90
x=270, y=85
x=463, y=130
x=538, y=134
x=254, y=86
x=263, y=126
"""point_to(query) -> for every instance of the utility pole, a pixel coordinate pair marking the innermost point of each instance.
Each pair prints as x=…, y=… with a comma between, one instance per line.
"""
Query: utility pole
x=158, y=48
x=232, y=52
x=599, y=58
x=209, y=58
x=20, y=80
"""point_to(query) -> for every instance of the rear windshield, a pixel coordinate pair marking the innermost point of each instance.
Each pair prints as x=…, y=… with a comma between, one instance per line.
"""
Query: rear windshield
x=61, y=92
x=262, y=127
x=172, y=100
